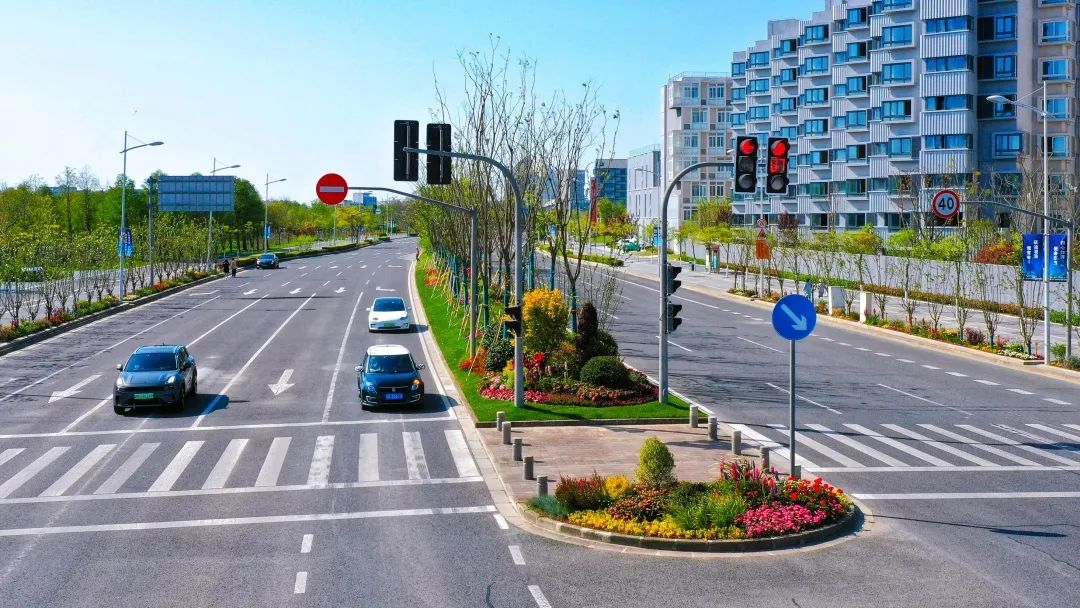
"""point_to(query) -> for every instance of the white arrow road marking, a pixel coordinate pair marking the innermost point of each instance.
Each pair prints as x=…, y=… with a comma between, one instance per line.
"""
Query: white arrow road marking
x=798, y=322
x=295, y=291
x=282, y=383
x=381, y=289
x=363, y=267
x=58, y=395
x=339, y=290
x=393, y=266
x=333, y=268
x=302, y=267
x=250, y=291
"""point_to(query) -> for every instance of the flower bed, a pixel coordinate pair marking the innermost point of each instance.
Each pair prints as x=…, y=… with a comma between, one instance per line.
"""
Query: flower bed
x=745, y=502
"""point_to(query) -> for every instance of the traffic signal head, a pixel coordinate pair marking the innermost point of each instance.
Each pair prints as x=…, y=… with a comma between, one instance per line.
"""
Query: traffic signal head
x=776, y=180
x=672, y=284
x=746, y=157
x=438, y=167
x=514, y=324
x=673, y=320
x=406, y=164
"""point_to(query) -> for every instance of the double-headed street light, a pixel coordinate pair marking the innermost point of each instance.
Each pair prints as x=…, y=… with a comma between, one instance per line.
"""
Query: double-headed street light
x=123, y=206
x=210, y=224
x=266, y=212
x=1044, y=114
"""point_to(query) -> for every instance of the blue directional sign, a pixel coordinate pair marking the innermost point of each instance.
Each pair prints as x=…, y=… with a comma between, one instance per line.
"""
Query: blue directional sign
x=794, y=317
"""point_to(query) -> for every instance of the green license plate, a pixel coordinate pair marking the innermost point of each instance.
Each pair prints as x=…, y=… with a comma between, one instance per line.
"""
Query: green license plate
x=388, y=324
x=144, y=395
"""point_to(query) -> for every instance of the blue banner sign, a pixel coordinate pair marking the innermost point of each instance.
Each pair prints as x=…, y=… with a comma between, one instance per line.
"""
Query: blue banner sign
x=1033, y=257
x=1059, y=260
x=125, y=246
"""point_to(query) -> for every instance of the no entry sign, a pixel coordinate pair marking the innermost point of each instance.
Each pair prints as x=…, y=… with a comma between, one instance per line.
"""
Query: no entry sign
x=331, y=189
x=946, y=204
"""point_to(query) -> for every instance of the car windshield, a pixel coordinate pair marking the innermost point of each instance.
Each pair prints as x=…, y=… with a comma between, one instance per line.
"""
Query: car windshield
x=151, y=362
x=269, y=256
x=389, y=364
x=389, y=305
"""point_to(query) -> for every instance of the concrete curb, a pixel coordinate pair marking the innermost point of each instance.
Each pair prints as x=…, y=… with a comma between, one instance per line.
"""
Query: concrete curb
x=847, y=524
x=517, y=424
x=919, y=341
x=39, y=336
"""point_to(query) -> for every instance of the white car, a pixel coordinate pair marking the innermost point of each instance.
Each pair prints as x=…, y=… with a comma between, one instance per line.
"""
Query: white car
x=388, y=314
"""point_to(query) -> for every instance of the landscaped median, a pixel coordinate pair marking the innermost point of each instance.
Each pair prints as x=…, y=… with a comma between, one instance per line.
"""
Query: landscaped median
x=744, y=509
x=568, y=378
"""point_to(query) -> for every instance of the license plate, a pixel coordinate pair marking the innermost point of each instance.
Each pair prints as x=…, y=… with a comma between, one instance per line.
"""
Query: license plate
x=387, y=324
x=394, y=396
x=144, y=395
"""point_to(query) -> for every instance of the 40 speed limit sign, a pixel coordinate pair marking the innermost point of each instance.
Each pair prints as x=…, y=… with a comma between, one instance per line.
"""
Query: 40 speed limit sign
x=946, y=204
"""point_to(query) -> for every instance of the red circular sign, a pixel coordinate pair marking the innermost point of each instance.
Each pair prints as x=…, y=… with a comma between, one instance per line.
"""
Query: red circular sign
x=946, y=204
x=331, y=189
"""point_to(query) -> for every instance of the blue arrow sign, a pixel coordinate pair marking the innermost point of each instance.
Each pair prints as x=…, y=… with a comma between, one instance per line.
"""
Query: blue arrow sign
x=794, y=317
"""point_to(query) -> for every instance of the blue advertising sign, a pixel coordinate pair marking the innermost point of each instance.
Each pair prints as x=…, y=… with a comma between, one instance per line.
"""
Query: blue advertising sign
x=656, y=237
x=1059, y=261
x=268, y=231
x=125, y=246
x=193, y=193
x=794, y=317
x=1033, y=258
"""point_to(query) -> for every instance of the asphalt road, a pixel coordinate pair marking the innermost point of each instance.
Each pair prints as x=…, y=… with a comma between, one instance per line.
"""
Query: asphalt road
x=249, y=498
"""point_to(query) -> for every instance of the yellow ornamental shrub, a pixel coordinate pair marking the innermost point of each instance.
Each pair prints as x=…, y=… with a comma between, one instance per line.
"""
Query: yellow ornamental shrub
x=616, y=486
x=546, y=316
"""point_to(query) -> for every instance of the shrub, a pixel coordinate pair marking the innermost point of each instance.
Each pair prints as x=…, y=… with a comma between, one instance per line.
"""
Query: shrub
x=545, y=315
x=974, y=336
x=686, y=493
x=608, y=372
x=550, y=505
x=1015, y=347
x=1058, y=352
x=724, y=509
x=499, y=354
x=476, y=364
x=582, y=493
x=691, y=515
x=656, y=466
x=602, y=344
x=641, y=504
x=588, y=322
x=616, y=486
x=492, y=334
x=1072, y=362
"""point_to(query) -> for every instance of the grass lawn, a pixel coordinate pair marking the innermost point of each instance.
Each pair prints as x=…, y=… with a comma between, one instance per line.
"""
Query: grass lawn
x=445, y=322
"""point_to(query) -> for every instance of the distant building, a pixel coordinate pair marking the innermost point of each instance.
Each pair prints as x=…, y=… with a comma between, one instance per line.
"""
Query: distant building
x=578, y=197
x=610, y=176
x=364, y=199
x=643, y=175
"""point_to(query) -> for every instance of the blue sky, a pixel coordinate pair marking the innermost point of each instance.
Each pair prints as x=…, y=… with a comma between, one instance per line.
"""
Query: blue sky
x=297, y=89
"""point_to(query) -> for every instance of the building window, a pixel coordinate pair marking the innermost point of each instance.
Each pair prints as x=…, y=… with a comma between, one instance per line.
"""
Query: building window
x=856, y=16
x=738, y=94
x=690, y=141
x=716, y=91
x=878, y=184
x=997, y=66
x=758, y=60
x=815, y=96
x=758, y=112
x=787, y=104
x=839, y=122
x=1055, y=69
x=788, y=47
x=948, y=102
x=947, y=142
x=900, y=146
x=856, y=152
x=856, y=85
x=856, y=118
x=839, y=155
x=1058, y=145
x=816, y=33
x=716, y=141
x=789, y=132
x=948, y=24
x=839, y=90
x=738, y=119
x=856, y=50
x=738, y=68
x=816, y=65
x=1008, y=144
x=856, y=220
x=1057, y=107
x=896, y=72
x=699, y=116
x=948, y=64
x=989, y=109
x=788, y=75
x=899, y=35
x=760, y=85
x=691, y=92
x=895, y=5
x=1055, y=31
x=896, y=110
x=855, y=186
x=999, y=27
x=816, y=127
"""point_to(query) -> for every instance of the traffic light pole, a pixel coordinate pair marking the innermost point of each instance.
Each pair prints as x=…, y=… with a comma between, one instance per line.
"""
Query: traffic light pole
x=519, y=266
x=664, y=274
x=473, y=254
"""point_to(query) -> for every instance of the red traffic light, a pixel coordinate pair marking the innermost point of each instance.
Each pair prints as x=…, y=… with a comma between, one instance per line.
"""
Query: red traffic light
x=747, y=146
x=780, y=147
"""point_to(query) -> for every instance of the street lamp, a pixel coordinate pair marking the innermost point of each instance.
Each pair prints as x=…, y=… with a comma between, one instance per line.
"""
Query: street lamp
x=123, y=205
x=210, y=224
x=266, y=212
x=1044, y=114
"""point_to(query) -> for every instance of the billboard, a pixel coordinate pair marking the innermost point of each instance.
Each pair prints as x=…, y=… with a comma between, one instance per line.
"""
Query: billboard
x=194, y=193
x=1033, y=258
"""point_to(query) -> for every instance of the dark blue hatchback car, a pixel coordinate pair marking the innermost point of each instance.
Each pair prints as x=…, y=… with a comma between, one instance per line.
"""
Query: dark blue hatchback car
x=389, y=376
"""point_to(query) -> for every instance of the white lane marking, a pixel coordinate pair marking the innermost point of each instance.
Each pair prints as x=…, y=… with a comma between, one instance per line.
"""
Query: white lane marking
x=538, y=597
x=801, y=398
x=104, y=350
x=1073, y=426
x=271, y=466
x=957, y=374
x=73, y=390
x=10, y=453
x=306, y=542
x=340, y=356
x=245, y=521
x=780, y=449
x=126, y=470
x=414, y=455
x=301, y=267
x=339, y=290
x=903, y=447
x=515, y=554
x=463, y=460
x=676, y=345
x=638, y=285
x=843, y=344
x=865, y=350
x=967, y=495
x=338, y=274
x=1020, y=446
x=696, y=302
x=865, y=449
x=17, y=480
x=987, y=383
x=905, y=360
x=250, y=291
x=924, y=399
x=367, y=282
x=1047, y=429
x=363, y=267
x=758, y=344
x=822, y=337
x=176, y=468
x=930, y=367
x=369, y=457
x=1056, y=401
x=242, y=285
x=882, y=355
x=944, y=447
x=283, y=383
x=979, y=446
x=349, y=267
x=300, y=586
x=225, y=391
x=383, y=289
x=803, y=439
x=75, y=422
x=334, y=267
x=501, y=522
x=319, y=473
x=1019, y=391
x=608, y=314
x=293, y=292
x=76, y=472
x=227, y=319
x=285, y=283
x=318, y=267
x=326, y=283
x=219, y=475
x=304, y=274
x=352, y=485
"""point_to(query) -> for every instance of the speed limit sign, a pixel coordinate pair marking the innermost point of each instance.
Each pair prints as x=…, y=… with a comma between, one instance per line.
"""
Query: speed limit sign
x=946, y=204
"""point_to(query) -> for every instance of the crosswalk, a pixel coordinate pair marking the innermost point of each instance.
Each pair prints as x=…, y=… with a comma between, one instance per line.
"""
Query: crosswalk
x=155, y=469
x=852, y=447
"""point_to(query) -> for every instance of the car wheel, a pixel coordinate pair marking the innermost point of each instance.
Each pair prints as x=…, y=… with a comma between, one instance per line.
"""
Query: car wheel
x=181, y=403
x=118, y=409
x=195, y=385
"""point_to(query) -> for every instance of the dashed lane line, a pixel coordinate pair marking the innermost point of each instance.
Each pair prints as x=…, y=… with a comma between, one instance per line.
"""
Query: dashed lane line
x=515, y=554
x=925, y=400
x=759, y=344
x=538, y=597
x=801, y=398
